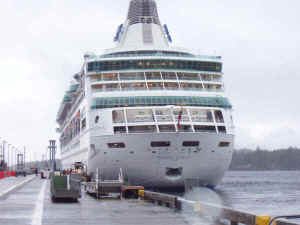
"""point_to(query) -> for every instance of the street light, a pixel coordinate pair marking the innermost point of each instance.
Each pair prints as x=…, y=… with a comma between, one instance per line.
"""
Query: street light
x=12, y=158
x=8, y=145
x=3, y=152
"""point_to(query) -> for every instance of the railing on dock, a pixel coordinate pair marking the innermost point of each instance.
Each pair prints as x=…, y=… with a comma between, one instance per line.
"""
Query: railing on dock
x=220, y=214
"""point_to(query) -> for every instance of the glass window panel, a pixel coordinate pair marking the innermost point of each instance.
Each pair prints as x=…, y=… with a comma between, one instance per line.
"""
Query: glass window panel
x=165, y=100
x=118, y=116
x=139, y=115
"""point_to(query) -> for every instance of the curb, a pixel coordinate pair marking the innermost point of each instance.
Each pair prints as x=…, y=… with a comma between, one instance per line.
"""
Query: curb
x=16, y=187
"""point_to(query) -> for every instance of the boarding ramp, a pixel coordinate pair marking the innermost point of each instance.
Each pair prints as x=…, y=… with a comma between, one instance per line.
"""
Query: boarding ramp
x=106, y=183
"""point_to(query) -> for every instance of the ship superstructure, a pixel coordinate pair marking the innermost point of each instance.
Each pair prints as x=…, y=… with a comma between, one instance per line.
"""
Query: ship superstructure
x=156, y=111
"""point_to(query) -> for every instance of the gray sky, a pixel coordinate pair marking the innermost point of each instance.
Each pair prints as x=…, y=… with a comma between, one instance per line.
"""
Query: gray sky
x=42, y=45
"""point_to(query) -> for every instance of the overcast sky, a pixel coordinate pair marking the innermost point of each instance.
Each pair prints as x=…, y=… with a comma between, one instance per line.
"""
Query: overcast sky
x=42, y=45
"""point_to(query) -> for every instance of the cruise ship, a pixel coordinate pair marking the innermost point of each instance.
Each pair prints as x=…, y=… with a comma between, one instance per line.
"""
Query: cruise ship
x=156, y=111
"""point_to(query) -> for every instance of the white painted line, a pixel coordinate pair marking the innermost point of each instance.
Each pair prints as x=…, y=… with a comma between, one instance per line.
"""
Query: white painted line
x=16, y=186
x=39, y=206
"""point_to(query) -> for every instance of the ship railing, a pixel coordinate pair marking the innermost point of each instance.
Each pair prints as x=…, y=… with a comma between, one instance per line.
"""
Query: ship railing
x=140, y=119
x=192, y=89
x=156, y=88
x=169, y=77
x=106, y=89
x=189, y=78
x=201, y=119
x=134, y=89
x=103, y=79
x=164, y=118
x=124, y=78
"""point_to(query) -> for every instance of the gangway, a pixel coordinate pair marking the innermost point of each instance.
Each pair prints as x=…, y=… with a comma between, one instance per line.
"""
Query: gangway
x=102, y=187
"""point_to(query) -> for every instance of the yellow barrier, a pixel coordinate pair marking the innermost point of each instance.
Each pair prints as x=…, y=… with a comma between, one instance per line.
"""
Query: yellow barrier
x=141, y=193
x=263, y=220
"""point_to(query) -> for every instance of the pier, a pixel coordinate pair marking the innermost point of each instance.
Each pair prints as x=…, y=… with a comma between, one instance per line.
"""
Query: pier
x=27, y=200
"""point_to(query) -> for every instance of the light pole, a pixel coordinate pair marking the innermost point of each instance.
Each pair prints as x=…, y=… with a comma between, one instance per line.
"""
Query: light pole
x=3, y=153
x=8, y=145
x=12, y=158
x=16, y=156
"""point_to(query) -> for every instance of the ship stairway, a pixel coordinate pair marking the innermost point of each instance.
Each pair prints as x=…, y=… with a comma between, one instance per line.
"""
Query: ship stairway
x=107, y=183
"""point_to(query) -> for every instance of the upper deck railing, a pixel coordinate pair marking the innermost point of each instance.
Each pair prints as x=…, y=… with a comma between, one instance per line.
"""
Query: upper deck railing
x=153, y=54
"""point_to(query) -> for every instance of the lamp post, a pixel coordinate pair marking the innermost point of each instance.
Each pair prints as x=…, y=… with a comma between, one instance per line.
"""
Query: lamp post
x=16, y=156
x=3, y=153
x=12, y=158
x=8, y=145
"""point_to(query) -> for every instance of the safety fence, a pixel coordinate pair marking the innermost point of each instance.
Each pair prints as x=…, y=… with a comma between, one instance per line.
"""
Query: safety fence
x=7, y=174
x=217, y=214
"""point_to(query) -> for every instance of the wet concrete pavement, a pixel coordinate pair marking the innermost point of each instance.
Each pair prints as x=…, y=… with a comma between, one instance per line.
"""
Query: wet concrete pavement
x=31, y=205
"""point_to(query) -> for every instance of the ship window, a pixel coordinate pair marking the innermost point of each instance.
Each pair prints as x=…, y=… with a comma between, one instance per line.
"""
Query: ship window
x=116, y=145
x=142, y=129
x=190, y=143
x=157, y=144
x=208, y=129
x=219, y=116
x=224, y=144
x=166, y=128
x=185, y=128
x=222, y=129
x=153, y=64
x=201, y=115
x=99, y=103
x=119, y=130
x=118, y=116
x=139, y=115
x=83, y=124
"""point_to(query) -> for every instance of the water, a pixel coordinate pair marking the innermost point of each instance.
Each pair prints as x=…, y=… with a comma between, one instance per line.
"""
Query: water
x=269, y=193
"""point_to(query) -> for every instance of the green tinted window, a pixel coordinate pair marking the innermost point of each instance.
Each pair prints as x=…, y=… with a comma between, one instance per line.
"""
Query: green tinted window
x=100, y=103
x=154, y=64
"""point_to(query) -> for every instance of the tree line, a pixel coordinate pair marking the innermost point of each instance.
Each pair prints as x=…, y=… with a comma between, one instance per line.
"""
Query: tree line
x=281, y=159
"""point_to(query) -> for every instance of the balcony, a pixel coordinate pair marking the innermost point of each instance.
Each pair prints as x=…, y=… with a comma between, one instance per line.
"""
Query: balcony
x=140, y=119
x=188, y=76
x=106, y=90
x=134, y=89
x=153, y=76
x=142, y=129
x=167, y=128
x=132, y=76
x=164, y=118
x=202, y=119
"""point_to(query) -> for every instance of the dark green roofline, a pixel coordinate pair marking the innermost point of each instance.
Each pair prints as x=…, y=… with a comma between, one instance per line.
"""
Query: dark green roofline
x=101, y=66
x=101, y=103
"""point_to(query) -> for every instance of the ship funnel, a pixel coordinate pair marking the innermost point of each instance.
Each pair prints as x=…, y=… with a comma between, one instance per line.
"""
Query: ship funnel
x=143, y=11
x=142, y=29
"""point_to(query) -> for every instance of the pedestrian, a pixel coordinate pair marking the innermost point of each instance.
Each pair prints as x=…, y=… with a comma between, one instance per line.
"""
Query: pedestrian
x=36, y=171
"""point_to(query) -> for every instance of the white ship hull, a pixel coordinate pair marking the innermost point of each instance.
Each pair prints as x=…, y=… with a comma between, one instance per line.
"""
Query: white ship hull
x=148, y=166
x=157, y=111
